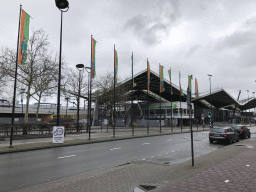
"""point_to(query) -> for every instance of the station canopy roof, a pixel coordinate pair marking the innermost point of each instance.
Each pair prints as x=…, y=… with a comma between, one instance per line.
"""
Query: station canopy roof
x=219, y=98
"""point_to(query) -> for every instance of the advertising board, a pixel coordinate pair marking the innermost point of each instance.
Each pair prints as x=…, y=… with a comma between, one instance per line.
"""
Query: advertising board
x=58, y=134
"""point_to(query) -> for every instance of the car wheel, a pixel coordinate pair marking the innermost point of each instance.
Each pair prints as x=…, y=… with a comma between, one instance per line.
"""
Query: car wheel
x=237, y=139
x=230, y=140
x=211, y=141
x=249, y=136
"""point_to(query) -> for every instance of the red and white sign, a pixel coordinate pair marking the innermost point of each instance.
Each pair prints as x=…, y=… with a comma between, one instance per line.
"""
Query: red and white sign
x=202, y=116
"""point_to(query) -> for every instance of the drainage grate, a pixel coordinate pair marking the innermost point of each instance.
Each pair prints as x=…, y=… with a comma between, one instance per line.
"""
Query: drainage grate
x=166, y=163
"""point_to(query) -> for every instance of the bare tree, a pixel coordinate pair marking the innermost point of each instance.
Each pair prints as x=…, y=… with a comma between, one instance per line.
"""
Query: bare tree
x=71, y=85
x=38, y=73
x=104, y=93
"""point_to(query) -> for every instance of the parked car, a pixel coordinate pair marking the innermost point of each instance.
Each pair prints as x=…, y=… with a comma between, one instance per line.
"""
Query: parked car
x=242, y=130
x=226, y=134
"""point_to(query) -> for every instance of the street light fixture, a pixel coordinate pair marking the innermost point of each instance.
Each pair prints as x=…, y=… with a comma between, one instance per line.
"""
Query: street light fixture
x=60, y=4
x=80, y=68
x=211, y=97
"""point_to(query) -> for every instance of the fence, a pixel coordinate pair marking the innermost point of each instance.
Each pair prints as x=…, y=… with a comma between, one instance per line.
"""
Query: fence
x=39, y=128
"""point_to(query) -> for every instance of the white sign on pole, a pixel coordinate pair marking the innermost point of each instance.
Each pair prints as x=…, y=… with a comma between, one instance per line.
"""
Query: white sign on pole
x=58, y=134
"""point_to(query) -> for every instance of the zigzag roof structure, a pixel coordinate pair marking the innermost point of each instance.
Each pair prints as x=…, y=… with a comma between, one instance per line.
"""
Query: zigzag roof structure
x=219, y=98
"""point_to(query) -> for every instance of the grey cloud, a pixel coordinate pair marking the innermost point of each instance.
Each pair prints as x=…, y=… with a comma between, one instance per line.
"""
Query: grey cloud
x=192, y=50
x=236, y=40
x=153, y=29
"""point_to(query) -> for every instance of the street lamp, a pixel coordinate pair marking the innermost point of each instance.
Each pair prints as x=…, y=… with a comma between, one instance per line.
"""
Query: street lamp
x=248, y=101
x=211, y=97
x=61, y=4
x=80, y=68
x=89, y=104
x=67, y=98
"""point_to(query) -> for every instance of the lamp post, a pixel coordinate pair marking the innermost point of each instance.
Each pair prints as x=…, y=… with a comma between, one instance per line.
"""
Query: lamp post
x=211, y=98
x=254, y=98
x=63, y=6
x=248, y=101
x=89, y=104
x=80, y=68
x=248, y=96
x=67, y=98
x=22, y=91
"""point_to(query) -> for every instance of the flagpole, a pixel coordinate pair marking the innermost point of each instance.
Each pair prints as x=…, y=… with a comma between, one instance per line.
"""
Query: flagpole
x=114, y=92
x=160, y=98
x=180, y=105
x=196, y=104
x=171, y=97
x=15, y=82
x=90, y=102
x=147, y=101
x=132, y=98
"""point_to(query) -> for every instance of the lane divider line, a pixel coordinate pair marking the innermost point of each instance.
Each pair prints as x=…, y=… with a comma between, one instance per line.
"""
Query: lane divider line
x=115, y=148
x=66, y=157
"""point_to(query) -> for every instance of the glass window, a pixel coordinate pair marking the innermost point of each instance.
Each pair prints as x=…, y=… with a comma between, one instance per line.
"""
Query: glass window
x=169, y=112
x=218, y=130
x=158, y=111
x=152, y=112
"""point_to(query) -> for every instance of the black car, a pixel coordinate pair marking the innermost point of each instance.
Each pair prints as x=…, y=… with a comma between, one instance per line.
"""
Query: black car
x=226, y=134
x=242, y=130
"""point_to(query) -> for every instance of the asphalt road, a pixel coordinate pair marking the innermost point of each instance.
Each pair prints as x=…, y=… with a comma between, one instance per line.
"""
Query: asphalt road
x=19, y=170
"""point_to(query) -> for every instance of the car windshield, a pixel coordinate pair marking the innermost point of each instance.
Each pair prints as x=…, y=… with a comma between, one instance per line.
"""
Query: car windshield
x=218, y=130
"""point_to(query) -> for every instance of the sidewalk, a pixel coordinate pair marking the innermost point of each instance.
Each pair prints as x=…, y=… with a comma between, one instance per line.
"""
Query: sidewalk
x=230, y=168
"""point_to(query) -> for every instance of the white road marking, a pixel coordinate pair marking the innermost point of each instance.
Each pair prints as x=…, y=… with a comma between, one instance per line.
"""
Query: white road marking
x=145, y=143
x=186, y=137
x=115, y=148
x=247, y=165
x=173, y=151
x=66, y=156
x=169, y=139
x=143, y=159
x=226, y=181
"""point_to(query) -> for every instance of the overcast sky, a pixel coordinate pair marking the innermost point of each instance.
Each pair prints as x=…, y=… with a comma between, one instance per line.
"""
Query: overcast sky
x=196, y=37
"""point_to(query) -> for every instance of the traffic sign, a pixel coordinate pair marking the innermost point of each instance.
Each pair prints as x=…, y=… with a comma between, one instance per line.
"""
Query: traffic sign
x=202, y=115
